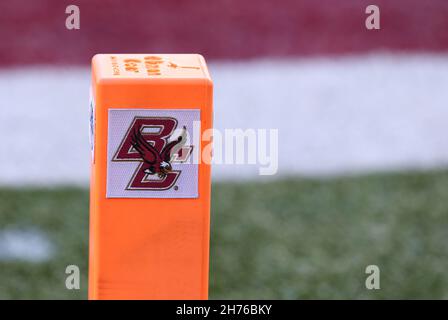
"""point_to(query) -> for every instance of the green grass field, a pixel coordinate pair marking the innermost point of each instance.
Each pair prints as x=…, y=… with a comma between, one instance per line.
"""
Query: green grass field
x=288, y=239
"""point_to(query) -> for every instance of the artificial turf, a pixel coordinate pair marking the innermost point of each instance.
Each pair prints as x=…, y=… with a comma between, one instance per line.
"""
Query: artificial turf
x=287, y=239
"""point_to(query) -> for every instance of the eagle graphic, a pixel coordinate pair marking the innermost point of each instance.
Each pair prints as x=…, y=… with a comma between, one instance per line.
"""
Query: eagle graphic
x=156, y=162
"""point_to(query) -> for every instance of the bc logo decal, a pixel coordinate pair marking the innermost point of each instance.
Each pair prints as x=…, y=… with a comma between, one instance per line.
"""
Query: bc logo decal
x=149, y=154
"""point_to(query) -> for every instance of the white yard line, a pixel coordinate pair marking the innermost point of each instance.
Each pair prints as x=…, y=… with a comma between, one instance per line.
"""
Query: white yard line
x=335, y=116
x=25, y=244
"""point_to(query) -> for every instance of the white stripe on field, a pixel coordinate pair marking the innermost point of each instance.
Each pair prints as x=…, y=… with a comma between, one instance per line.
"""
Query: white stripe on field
x=24, y=244
x=352, y=114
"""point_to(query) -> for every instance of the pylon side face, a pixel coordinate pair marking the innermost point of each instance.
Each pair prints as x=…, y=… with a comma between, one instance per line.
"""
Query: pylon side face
x=150, y=191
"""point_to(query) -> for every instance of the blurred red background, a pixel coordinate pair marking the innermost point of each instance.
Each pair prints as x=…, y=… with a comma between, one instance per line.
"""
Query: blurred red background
x=34, y=31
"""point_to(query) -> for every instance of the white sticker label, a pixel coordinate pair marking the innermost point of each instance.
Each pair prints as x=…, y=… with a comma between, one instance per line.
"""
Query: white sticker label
x=150, y=153
x=92, y=126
